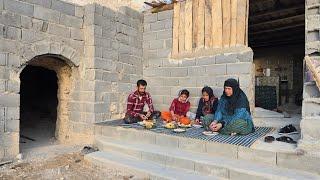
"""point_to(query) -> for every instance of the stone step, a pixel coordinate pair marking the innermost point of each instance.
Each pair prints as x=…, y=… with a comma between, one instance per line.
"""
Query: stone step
x=202, y=163
x=271, y=157
x=141, y=169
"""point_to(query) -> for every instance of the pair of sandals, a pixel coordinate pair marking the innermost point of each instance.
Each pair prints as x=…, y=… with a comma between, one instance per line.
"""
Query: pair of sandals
x=270, y=139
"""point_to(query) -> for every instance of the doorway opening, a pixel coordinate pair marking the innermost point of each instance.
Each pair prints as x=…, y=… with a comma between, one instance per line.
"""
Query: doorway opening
x=277, y=37
x=38, y=106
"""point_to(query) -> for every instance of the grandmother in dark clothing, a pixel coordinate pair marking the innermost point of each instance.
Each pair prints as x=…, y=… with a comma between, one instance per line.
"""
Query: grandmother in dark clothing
x=233, y=115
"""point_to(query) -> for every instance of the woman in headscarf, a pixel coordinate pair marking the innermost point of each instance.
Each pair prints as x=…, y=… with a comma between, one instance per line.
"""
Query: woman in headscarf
x=233, y=112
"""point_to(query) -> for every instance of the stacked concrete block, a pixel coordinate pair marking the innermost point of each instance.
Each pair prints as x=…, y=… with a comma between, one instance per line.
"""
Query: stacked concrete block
x=31, y=28
x=168, y=76
x=113, y=48
x=310, y=122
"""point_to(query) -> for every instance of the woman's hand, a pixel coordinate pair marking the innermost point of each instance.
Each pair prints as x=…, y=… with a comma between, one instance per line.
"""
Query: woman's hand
x=215, y=126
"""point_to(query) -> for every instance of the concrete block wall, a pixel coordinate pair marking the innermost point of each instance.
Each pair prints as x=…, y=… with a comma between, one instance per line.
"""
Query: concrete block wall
x=113, y=53
x=310, y=122
x=29, y=29
x=166, y=76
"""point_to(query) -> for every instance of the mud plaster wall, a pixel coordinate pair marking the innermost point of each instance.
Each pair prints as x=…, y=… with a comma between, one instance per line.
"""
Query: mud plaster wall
x=167, y=76
x=66, y=81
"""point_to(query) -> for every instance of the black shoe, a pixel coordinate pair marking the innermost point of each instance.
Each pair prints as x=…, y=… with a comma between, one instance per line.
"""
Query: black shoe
x=289, y=129
x=286, y=139
x=269, y=139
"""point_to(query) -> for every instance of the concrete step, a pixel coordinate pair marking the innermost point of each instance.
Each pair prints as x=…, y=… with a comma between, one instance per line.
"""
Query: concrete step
x=269, y=157
x=141, y=169
x=311, y=107
x=203, y=163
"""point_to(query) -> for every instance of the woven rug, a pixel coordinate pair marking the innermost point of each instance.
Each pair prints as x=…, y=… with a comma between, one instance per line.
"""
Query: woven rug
x=196, y=133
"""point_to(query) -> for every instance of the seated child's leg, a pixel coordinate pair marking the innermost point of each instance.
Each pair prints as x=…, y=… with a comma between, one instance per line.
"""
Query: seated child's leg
x=166, y=116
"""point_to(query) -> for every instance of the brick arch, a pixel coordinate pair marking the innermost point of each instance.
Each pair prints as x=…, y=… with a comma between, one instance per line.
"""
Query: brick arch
x=62, y=51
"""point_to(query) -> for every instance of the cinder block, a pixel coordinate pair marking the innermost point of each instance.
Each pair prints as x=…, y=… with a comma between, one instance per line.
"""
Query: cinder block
x=163, y=53
x=226, y=58
x=150, y=18
x=19, y=7
x=63, y=7
x=166, y=34
x=3, y=59
x=188, y=82
x=107, y=12
x=168, y=43
x=157, y=26
x=76, y=34
x=216, y=69
x=44, y=3
x=13, y=86
x=245, y=56
x=149, y=36
x=10, y=19
x=205, y=60
x=313, y=22
x=1, y=8
x=12, y=126
x=12, y=33
x=79, y=11
x=59, y=30
x=239, y=68
x=196, y=71
x=156, y=44
x=26, y=22
x=71, y=21
x=46, y=14
x=9, y=100
x=168, y=24
x=178, y=72
x=265, y=157
x=165, y=15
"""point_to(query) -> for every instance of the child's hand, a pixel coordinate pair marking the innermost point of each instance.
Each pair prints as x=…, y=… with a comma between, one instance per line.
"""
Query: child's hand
x=197, y=121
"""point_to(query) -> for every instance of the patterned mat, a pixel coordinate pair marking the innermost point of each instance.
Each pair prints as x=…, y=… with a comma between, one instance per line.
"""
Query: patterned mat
x=196, y=133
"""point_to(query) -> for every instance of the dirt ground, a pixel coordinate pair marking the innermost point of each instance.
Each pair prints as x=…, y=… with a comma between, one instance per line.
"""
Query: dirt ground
x=66, y=166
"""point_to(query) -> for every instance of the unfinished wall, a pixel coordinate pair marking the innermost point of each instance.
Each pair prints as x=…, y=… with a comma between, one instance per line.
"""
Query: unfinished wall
x=310, y=123
x=113, y=53
x=30, y=29
x=167, y=76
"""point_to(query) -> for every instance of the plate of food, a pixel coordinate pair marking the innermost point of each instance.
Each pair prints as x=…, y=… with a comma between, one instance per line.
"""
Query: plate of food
x=184, y=126
x=197, y=125
x=141, y=123
x=179, y=130
x=170, y=125
x=210, y=133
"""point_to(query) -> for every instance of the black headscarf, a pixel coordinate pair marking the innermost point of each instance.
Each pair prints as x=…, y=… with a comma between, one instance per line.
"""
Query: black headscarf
x=238, y=99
